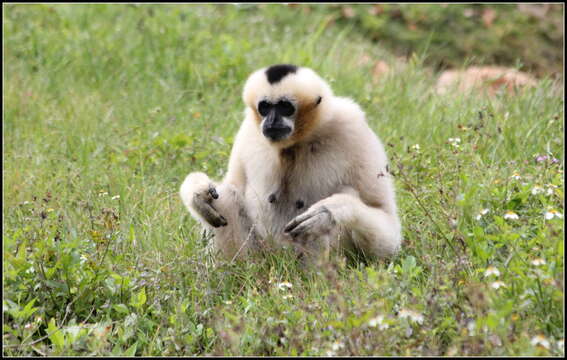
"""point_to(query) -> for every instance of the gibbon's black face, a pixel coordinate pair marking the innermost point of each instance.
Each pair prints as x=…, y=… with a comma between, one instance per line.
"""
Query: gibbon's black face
x=277, y=118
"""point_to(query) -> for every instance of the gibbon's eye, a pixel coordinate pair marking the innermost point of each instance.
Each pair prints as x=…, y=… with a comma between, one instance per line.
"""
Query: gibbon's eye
x=285, y=108
x=264, y=107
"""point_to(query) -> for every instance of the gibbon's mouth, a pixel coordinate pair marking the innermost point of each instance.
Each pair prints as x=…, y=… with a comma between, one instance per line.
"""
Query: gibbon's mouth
x=276, y=133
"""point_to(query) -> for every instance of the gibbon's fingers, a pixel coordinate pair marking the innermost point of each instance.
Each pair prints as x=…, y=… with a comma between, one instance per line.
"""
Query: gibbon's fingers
x=208, y=212
x=317, y=220
x=213, y=192
x=305, y=226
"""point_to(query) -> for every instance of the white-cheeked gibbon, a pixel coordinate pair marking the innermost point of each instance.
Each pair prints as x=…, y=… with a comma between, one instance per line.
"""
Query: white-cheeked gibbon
x=305, y=169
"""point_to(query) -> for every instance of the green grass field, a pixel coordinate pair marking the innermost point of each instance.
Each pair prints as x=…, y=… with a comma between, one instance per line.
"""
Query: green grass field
x=108, y=107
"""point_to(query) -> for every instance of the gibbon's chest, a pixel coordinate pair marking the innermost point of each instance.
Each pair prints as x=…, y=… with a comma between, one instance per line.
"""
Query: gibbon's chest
x=287, y=183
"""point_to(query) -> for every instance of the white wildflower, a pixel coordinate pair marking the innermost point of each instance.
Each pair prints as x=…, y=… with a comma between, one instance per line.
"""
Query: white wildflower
x=412, y=315
x=537, y=190
x=491, y=270
x=510, y=215
x=541, y=341
x=284, y=285
x=337, y=345
x=550, y=189
x=551, y=213
x=538, y=262
x=497, y=284
x=288, y=296
x=415, y=147
x=454, y=141
x=515, y=176
x=115, y=197
x=471, y=327
x=378, y=321
x=482, y=213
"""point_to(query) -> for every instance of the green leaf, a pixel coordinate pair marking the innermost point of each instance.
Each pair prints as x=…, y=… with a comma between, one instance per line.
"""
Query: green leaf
x=131, y=350
x=139, y=299
x=55, y=334
x=28, y=310
x=121, y=308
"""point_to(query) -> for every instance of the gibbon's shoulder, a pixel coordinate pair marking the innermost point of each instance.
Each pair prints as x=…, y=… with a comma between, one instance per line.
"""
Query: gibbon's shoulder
x=346, y=116
x=346, y=109
x=347, y=126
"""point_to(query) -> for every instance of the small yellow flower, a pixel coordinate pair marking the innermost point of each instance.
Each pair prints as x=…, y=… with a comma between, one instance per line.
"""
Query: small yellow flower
x=415, y=147
x=510, y=215
x=491, y=270
x=540, y=340
x=515, y=176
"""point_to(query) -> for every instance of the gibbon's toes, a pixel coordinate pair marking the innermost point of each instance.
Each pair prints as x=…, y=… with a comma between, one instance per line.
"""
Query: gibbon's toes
x=208, y=212
x=314, y=222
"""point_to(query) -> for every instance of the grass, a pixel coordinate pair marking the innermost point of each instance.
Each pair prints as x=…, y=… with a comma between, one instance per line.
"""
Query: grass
x=108, y=107
x=515, y=35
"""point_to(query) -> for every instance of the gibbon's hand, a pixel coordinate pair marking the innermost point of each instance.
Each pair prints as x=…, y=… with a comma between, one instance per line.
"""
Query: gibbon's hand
x=314, y=222
x=203, y=203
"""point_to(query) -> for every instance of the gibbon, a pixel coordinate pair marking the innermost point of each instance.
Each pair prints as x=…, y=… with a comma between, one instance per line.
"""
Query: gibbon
x=305, y=169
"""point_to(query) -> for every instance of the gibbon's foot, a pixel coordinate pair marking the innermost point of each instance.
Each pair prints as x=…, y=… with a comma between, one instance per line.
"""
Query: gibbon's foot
x=202, y=201
x=314, y=222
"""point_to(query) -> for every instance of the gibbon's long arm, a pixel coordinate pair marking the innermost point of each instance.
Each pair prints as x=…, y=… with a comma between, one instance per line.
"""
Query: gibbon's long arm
x=376, y=232
x=235, y=174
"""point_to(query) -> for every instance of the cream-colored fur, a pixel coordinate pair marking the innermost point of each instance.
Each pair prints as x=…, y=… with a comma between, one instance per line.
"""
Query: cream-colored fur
x=334, y=165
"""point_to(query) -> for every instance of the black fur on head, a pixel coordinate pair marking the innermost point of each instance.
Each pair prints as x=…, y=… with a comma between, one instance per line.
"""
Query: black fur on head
x=277, y=72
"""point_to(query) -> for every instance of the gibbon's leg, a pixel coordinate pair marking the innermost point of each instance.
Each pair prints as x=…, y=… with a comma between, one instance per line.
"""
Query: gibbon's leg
x=376, y=233
x=221, y=208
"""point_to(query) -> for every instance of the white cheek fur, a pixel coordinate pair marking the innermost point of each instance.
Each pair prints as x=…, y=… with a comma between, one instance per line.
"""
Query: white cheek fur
x=289, y=122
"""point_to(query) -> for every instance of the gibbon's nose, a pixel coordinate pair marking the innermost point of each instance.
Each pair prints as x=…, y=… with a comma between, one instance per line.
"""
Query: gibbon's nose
x=276, y=133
